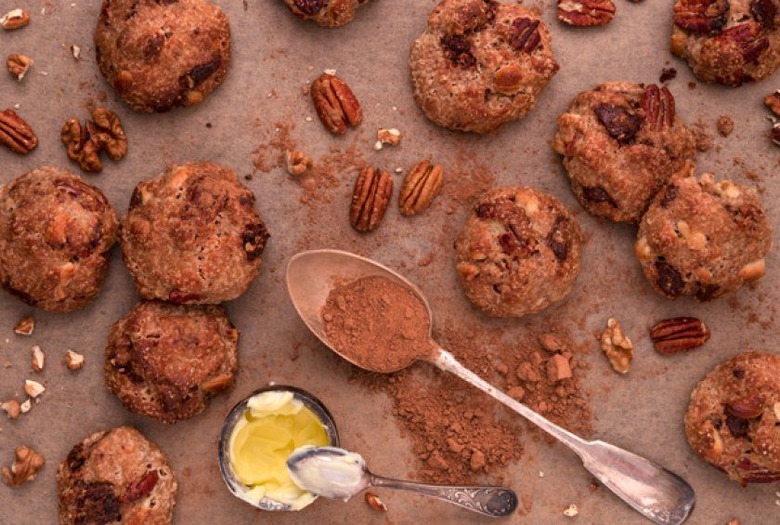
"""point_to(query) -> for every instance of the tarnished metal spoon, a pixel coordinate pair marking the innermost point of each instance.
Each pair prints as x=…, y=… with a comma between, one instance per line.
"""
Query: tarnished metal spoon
x=653, y=491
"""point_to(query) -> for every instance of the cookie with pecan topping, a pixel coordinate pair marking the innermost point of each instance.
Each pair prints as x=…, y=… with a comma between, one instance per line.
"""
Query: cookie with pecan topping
x=703, y=238
x=519, y=252
x=159, y=54
x=116, y=476
x=192, y=235
x=327, y=13
x=728, y=41
x=55, y=235
x=733, y=419
x=621, y=143
x=480, y=64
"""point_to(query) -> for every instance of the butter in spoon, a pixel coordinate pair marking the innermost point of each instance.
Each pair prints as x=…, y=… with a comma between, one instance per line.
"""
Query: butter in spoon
x=336, y=473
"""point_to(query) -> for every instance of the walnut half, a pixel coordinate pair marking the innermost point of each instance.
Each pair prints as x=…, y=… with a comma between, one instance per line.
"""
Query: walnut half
x=25, y=468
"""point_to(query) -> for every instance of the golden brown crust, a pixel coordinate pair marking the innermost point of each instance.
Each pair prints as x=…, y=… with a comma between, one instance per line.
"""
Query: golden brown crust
x=55, y=235
x=733, y=419
x=192, y=235
x=159, y=54
x=327, y=13
x=168, y=361
x=116, y=476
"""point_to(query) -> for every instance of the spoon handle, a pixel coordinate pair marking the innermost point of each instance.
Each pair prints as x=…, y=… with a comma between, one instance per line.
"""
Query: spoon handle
x=495, y=502
x=658, y=494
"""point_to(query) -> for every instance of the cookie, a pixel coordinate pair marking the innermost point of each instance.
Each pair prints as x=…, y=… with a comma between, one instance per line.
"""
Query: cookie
x=159, y=54
x=327, y=13
x=116, y=476
x=480, y=64
x=703, y=238
x=167, y=361
x=55, y=235
x=621, y=143
x=729, y=42
x=733, y=419
x=192, y=235
x=518, y=253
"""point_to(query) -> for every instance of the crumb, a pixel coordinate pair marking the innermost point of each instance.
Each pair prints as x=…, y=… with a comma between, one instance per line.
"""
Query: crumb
x=667, y=74
x=725, y=125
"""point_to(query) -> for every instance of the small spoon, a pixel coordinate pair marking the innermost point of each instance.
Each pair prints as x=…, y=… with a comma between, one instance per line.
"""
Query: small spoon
x=335, y=473
x=658, y=494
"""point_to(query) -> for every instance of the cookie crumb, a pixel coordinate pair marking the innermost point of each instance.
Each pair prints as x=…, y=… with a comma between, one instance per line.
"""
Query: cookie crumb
x=667, y=74
x=25, y=326
x=725, y=125
x=571, y=511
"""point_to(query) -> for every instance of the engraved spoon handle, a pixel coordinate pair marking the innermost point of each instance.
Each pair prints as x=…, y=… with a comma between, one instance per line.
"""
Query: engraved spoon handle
x=495, y=502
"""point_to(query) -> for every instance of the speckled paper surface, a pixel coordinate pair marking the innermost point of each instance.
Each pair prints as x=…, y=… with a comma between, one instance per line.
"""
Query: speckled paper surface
x=261, y=104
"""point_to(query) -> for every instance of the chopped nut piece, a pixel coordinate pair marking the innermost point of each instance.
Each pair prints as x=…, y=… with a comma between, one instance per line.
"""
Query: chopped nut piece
x=558, y=368
x=12, y=408
x=103, y=133
x=391, y=137
x=15, y=19
x=76, y=52
x=25, y=326
x=18, y=65
x=28, y=463
x=725, y=125
x=38, y=358
x=617, y=347
x=26, y=406
x=375, y=503
x=74, y=360
x=571, y=511
x=297, y=162
x=776, y=410
x=774, y=133
x=772, y=101
x=33, y=388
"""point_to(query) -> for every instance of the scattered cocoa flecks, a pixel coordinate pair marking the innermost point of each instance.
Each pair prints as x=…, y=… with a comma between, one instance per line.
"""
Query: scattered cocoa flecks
x=667, y=74
x=691, y=85
x=725, y=125
x=426, y=260
x=702, y=137
x=327, y=173
x=270, y=153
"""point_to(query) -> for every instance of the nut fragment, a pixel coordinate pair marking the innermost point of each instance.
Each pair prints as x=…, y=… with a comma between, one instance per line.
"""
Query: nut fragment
x=748, y=407
x=217, y=384
x=74, y=360
x=774, y=133
x=297, y=162
x=370, y=197
x=420, y=186
x=16, y=133
x=391, y=137
x=18, y=65
x=15, y=19
x=776, y=410
x=38, y=359
x=33, y=388
x=583, y=13
x=375, y=503
x=617, y=347
x=772, y=101
x=571, y=511
x=25, y=326
x=12, y=408
x=25, y=468
x=76, y=52
x=678, y=334
x=103, y=133
x=336, y=105
x=725, y=125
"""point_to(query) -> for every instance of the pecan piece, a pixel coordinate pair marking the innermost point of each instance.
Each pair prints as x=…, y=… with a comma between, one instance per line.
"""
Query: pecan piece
x=678, y=334
x=772, y=101
x=420, y=186
x=370, y=197
x=79, y=147
x=586, y=12
x=16, y=134
x=109, y=134
x=25, y=468
x=764, y=11
x=336, y=105
x=526, y=37
x=375, y=503
x=141, y=488
x=701, y=16
x=14, y=19
x=748, y=407
x=217, y=384
x=298, y=162
x=658, y=105
x=18, y=65
x=774, y=133
x=750, y=40
x=621, y=123
x=84, y=143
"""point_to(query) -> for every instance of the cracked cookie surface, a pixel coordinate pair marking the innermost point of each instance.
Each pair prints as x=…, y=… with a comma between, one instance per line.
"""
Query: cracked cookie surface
x=327, y=13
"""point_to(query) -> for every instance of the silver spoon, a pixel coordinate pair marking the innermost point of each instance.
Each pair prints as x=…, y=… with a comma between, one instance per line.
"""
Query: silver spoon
x=335, y=473
x=653, y=491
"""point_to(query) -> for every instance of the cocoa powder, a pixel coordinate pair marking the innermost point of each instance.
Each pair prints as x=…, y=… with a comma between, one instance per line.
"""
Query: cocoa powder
x=377, y=324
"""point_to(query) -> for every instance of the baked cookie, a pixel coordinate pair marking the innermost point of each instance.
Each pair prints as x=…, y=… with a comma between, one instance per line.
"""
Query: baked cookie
x=192, y=235
x=327, y=13
x=162, y=53
x=733, y=419
x=55, y=234
x=480, y=63
x=621, y=143
x=728, y=41
x=518, y=253
x=703, y=238
x=167, y=361
x=116, y=476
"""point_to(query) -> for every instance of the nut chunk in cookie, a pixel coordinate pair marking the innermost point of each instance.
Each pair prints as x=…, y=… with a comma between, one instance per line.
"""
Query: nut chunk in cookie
x=55, y=235
x=116, y=476
x=733, y=419
x=480, y=64
x=159, y=54
x=728, y=41
x=327, y=13
x=518, y=253
x=167, y=361
x=703, y=238
x=621, y=143
x=193, y=236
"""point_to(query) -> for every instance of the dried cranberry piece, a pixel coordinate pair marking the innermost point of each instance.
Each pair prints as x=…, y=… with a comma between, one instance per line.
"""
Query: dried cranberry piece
x=457, y=49
x=254, y=239
x=621, y=124
x=764, y=11
x=598, y=194
x=738, y=427
x=311, y=7
x=669, y=279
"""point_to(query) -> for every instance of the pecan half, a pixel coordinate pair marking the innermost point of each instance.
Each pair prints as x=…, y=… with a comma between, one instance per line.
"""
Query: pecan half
x=526, y=37
x=370, y=197
x=678, y=334
x=748, y=407
x=658, y=105
x=621, y=123
x=18, y=65
x=749, y=38
x=420, y=186
x=701, y=16
x=109, y=134
x=336, y=105
x=14, y=19
x=16, y=134
x=586, y=12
